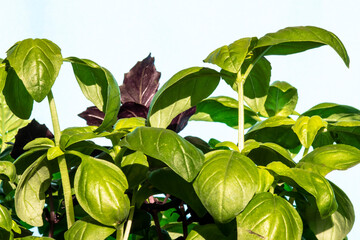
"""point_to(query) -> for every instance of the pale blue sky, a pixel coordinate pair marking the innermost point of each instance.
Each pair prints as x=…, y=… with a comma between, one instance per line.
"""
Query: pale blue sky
x=117, y=34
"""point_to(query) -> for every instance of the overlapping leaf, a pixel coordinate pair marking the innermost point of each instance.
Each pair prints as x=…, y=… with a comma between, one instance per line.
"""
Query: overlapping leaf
x=206, y=232
x=332, y=112
x=135, y=168
x=346, y=132
x=3, y=74
x=281, y=99
x=306, y=129
x=5, y=218
x=8, y=169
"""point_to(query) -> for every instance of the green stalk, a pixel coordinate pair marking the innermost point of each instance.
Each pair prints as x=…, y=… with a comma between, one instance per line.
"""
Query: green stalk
x=131, y=215
x=306, y=151
x=69, y=208
x=119, y=232
x=241, y=129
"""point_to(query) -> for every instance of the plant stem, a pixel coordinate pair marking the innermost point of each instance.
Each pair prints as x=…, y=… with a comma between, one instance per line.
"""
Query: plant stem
x=119, y=232
x=131, y=215
x=305, y=152
x=240, y=86
x=52, y=219
x=69, y=208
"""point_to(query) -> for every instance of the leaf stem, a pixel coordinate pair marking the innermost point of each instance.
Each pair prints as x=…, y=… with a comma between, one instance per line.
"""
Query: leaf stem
x=131, y=214
x=69, y=208
x=306, y=152
x=241, y=129
x=119, y=232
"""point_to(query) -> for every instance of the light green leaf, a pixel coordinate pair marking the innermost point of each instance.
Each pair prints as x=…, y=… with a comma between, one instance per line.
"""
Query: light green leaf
x=5, y=219
x=281, y=99
x=135, y=167
x=100, y=189
x=39, y=143
x=332, y=112
x=129, y=123
x=231, y=57
x=268, y=216
x=8, y=169
x=306, y=129
x=298, y=39
x=226, y=172
x=167, y=146
x=34, y=238
x=328, y=158
x=30, y=192
x=225, y=110
x=312, y=182
x=3, y=74
x=183, y=91
x=228, y=144
x=15, y=227
x=100, y=87
x=17, y=97
x=170, y=183
x=37, y=62
x=206, y=232
x=88, y=229
x=54, y=152
x=265, y=180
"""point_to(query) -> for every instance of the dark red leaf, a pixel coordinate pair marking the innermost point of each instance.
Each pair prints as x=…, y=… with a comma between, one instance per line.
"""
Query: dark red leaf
x=181, y=120
x=131, y=109
x=27, y=134
x=140, y=83
x=93, y=116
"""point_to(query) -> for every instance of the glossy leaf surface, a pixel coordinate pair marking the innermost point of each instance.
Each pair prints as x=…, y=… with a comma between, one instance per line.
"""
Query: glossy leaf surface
x=226, y=183
x=224, y=110
x=312, y=182
x=39, y=142
x=265, y=180
x=37, y=62
x=165, y=145
x=281, y=99
x=328, y=158
x=88, y=229
x=306, y=129
x=135, y=167
x=332, y=112
x=346, y=132
x=30, y=192
x=8, y=169
x=183, y=91
x=99, y=187
x=297, y=39
x=231, y=57
x=268, y=216
x=5, y=219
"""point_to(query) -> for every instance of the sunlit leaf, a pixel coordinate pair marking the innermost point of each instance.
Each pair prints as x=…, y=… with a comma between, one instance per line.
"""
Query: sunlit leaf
x=3, y=74
x=5, y=218
x=8, y=169
x=206, y=232
x=135, y=167
x=306, y=129
x=265, y=180
x=332, y=112
x=281, y=99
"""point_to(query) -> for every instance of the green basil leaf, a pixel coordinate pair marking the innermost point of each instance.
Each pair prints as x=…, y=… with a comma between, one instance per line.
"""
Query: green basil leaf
x=28, y=158
x=306, y=129
x=17, y=97
x=183, y=91
x=323, y=138
x=332, y=112
x=39, y=143
x=346, y=132
x=281, y=99
x=298, y=39
x=100, y=87
x=88, y=229
x=34, y=238
x=170, y=183
x=226, y=172
x=37, y=62
x=129, y=123
x=231, y=57
x=99, y=187
x=3, y=74
x=135, y=167
x=328, y=158
x=8, y=169
x=30, y=192
x=5, y=219
x=206, y=232
x=224, y=110
x=167, y=146
x=54, y=152
x=338, y=225
x=266, y=179
x=268, y=216
x=264, y=153
x=311, y=182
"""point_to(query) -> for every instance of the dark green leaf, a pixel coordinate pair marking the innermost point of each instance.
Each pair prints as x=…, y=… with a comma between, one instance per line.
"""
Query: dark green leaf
x=88, y=229
x=170, y=183
x=225, y=110
x=312, y=182
x=30, y=192
x=99, y=187
x=168, y=147
x=34, y=238
x=226, y=172
x=135, y=167
x=323, y=138
x=346, y=132
x=297, y=39
x=3, y=74
x=5, y=218
x=206, y=232
x=328, y=158
x=281, y=99
x=37, y=62
x=268, y=216
x=199, y=143
x=17, y=97
x=332, y=112
x=26, y=159
x=8, y=169
x=231, y=57
x=100, y=87
x=183, y=91
x=306, y=129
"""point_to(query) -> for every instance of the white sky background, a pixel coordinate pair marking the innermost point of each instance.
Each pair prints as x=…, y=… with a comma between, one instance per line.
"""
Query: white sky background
x=117, y=34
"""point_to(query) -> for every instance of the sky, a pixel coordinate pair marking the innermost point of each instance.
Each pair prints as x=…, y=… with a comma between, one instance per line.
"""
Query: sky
x=180, y=34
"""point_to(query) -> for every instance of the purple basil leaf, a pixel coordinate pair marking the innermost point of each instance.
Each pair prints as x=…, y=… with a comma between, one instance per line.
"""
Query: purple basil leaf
x=27, y=134
x=140, y=83
x=131, y=109
x=181, y=120
x=93, y=116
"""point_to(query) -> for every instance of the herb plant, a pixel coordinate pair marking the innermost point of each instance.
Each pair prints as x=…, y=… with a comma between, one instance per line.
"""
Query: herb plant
x=151, y=183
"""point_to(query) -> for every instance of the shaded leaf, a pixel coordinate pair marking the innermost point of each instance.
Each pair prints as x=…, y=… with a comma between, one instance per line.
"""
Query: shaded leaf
x=37, y=62
x=168, y=147
x=281, y=99
x=135, y=168
x=306, y=129
x=297, y=39
x=181, y=120
x=226, y=172
x=28, y=158
x=93, y=116
x=206, y=232
x=8, y=169
x=199, y=143
x=140, y=83
x=332, y=112
x=183, y=91
x=88, y=229
x=268, y=216
x=346, y=132
x=323, y=138
x=131, y=109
